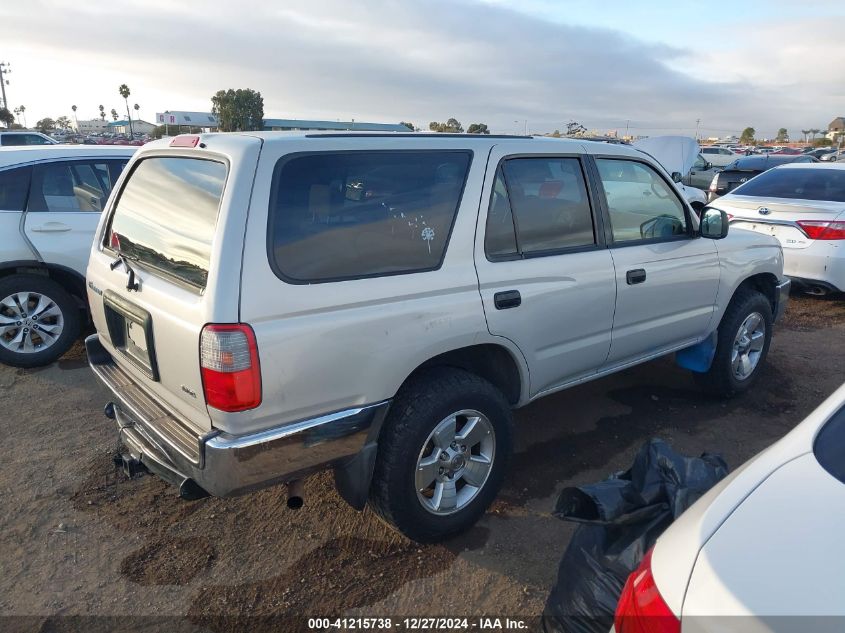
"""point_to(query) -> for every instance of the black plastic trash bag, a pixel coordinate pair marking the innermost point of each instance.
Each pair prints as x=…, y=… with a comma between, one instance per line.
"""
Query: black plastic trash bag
x=621, y=518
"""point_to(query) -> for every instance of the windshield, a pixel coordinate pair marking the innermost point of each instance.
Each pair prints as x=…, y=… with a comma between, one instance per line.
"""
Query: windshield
x=799, y=184
x=166, y=216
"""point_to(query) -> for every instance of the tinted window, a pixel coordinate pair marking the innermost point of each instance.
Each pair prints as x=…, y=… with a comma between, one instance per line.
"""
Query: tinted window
x=538, y=205
x=709, y=150
x=166, y=216
x=14, y=185
x=356, y=214
x=801, y=184
x=71, y=186
x=829, y=446
x=642, y=205
x=23, y=139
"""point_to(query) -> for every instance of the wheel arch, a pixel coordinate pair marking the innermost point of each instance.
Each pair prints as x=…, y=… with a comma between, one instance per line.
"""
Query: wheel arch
x=68, y=278
x=765, y=283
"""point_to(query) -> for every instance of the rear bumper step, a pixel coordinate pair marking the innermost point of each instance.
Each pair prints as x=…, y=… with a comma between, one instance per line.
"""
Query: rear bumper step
x=218, y=463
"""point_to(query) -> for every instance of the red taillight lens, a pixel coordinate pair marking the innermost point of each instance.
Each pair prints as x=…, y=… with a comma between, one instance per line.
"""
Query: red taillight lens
x=817, y=230
x=231, y=374
x=641, y=608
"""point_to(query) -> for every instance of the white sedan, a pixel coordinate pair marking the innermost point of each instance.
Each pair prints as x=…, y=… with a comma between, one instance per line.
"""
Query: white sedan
x=803, y=206
x=761, y=551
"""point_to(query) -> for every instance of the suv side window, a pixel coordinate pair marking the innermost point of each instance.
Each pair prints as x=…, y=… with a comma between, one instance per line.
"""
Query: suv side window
x=347, y=215
x=538, y=205
x=642, y=205
x=14, y=185
x=72, y=185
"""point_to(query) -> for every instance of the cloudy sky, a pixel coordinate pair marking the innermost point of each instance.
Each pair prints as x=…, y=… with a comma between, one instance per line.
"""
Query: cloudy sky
x=652, y=65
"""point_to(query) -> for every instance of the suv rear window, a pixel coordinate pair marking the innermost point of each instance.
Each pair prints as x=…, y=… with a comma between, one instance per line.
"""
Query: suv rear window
x=359, y=214
x=166, y=216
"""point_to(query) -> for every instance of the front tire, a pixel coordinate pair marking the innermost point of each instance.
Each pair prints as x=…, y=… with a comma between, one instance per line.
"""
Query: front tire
x=743, y=340
x=442, y=455
x=39, y=320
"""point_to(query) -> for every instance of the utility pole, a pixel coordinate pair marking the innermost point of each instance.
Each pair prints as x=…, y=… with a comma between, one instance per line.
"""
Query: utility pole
x=5, y=69
x=697, y=122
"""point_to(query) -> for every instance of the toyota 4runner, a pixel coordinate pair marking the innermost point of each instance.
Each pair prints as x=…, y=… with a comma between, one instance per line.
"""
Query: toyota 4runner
x=272, y=304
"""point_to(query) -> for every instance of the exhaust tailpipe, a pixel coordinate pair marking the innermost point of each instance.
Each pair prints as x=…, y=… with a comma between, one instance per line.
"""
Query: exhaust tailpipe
x=816, y=291
x=296, y=489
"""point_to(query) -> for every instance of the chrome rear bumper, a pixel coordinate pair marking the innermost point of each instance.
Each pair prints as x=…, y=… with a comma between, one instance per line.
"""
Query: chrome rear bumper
x=219, y=463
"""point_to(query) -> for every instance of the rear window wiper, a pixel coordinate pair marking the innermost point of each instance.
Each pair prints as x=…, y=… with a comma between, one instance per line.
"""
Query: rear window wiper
x=131, y=284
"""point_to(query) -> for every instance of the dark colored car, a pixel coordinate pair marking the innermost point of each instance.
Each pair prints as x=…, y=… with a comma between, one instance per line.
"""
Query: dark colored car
x=744, y=169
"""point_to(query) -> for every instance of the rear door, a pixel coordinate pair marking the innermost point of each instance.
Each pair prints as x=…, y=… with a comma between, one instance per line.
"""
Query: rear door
x=666, y=276
x=66, y=198
x=547, y=280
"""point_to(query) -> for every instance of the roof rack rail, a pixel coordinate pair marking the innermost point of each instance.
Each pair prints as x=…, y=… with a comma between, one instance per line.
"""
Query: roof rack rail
x=411, y=135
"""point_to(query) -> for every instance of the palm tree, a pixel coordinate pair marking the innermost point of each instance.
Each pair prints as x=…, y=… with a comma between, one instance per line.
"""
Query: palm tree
x=124, y=92
x=114, y=114
x=805, y=133
x=23, y=109
x=814, y=131
x=73, y=107
x=102, y=113
x=137, y=109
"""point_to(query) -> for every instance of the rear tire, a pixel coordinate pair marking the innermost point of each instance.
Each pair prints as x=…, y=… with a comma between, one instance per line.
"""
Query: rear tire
x=743, y=339
x=39, y=320
x=442, y=454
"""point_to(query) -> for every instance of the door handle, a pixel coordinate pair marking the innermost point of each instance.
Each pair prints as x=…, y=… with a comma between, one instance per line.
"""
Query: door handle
x=507, y=299
x=51, y=227
x=636, y=276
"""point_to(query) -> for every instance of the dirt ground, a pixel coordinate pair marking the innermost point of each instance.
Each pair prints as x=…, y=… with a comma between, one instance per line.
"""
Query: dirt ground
x=76, y=538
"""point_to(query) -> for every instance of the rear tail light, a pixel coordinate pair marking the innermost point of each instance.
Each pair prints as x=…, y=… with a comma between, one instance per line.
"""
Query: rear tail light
x=818, y=230
x=641, y=608
x=231, y=374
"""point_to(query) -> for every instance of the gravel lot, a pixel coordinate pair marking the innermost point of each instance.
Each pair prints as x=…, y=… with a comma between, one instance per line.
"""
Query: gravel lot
x=78, y=539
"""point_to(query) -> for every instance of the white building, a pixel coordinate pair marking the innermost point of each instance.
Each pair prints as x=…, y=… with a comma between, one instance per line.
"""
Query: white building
x=92, y=125
x=122, y=127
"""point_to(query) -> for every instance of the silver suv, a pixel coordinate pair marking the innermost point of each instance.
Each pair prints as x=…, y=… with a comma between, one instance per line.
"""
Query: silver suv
x=272, y=304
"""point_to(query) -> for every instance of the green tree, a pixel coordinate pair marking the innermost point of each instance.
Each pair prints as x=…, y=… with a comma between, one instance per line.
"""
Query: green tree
x=478, y=128
x=124, y=92
x=452, y=126
x=747, y=136
x=45, y=125
x=114, y=114
x=783, y=135
x=556, y=133
x=408, y=125
x=63, y=123
x=822, y=142
x=7, y=117
x=238, y=110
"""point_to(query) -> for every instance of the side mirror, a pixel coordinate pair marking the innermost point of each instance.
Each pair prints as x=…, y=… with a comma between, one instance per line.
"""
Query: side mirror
x=714, y=224
x=677, y=176
x=708, y=166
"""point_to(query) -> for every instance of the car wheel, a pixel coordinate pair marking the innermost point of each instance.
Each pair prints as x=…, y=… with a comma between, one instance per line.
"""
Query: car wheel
x=39, y=320
x=743, y=339
x=442, y=454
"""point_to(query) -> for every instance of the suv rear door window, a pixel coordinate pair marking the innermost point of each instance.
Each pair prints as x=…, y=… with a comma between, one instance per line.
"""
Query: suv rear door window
x=642, y=205
x=358, y=214
x=166, y=216
x=14, y=185
x=539, y=205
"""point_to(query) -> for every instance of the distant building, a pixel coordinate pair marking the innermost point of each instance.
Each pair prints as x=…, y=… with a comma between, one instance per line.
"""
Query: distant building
x=836, y=127
x=277, y=125
x=178, y=118
x=87, y=127
x=122, y=127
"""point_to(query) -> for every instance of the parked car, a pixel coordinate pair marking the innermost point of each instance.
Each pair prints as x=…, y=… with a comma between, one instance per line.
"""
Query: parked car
x=744, y=169
x=701, y=174
x=740, y=559
x=16, y=138
x=787, y=151
x=820, y=151
x=718, y=156
x=50, y=203
x=803, y=206
x=680, y=158
x=833, y=156
x=272, y=304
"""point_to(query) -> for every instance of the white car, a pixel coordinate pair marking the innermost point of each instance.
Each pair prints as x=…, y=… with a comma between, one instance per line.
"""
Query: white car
x=719, y=156
x=761, y=551
x=50, y=202
x=803, y=206
x=18, y=138
x=833, y=156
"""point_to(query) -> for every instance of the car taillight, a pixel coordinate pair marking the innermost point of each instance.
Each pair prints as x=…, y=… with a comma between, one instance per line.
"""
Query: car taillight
x=231, y=374
x=818, y=230
x=641, y=608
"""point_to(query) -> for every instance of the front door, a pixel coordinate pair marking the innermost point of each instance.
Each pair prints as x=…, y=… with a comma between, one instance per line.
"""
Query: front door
x=666, y=276
x=546, y=278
